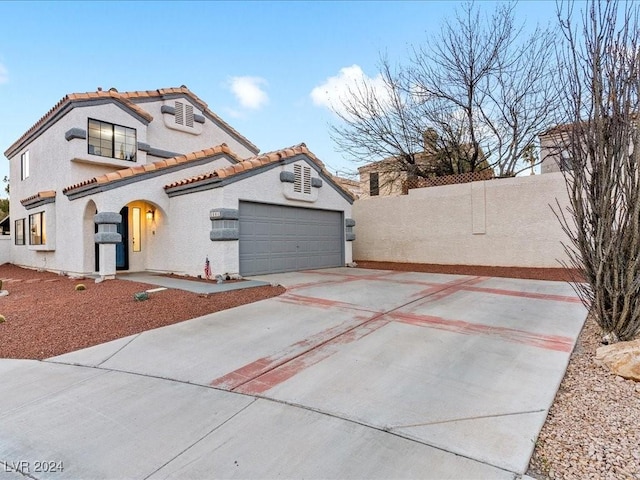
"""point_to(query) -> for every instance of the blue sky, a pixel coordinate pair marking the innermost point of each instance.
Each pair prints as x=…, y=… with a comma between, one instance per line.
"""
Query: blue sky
x=256, y=64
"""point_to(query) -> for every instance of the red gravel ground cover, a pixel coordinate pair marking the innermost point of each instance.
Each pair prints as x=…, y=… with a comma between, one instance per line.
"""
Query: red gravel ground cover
x=555, y=274
x=46, y=316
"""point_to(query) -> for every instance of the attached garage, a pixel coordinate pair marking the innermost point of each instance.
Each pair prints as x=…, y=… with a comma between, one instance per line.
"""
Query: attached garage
x=277, y=238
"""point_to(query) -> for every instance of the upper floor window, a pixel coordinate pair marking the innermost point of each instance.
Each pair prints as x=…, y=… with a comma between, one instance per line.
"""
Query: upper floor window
x=113, y=141
x=374, y=184
x=565, y=163
x=24, y=165
x=37, y=233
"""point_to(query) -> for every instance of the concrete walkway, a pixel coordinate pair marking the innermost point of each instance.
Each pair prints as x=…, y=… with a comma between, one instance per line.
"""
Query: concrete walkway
x=350, y=374
x=189, y=285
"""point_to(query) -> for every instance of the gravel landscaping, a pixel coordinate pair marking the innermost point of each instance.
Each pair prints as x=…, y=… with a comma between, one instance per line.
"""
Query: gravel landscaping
x=46, y=316
x=593, y=427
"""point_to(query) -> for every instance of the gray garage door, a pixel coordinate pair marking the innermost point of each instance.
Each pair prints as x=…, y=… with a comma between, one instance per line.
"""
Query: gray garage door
x=275, y=239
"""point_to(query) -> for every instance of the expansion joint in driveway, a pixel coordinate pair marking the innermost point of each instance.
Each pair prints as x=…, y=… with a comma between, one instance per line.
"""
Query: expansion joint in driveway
x=201, y=439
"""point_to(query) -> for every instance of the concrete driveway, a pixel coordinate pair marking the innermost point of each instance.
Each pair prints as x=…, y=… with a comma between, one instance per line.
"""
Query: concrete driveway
x=351, y=373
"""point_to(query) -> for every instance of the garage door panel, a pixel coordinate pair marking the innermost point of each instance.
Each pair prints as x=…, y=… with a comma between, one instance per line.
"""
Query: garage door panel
x=274, y=238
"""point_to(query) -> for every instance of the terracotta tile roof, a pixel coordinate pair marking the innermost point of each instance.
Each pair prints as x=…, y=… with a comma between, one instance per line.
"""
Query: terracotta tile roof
x=256, y=162
x=76, y=97
x=127, y=99
x=183, y=90
x=39, y=196
x=159, y=165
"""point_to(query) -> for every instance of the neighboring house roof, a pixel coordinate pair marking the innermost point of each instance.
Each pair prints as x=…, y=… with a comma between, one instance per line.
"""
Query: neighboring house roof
x=390, y=164
x=127, y=101
x=353, y=186
x=143, y=170
x=260, y=161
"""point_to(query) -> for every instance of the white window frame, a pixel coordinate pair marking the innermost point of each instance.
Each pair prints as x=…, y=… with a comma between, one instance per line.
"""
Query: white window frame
x=24, y=165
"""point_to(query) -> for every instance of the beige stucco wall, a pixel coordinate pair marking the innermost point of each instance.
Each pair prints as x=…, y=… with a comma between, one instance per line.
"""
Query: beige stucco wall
x=502, y=222
x=389, y=182
x=550, y=152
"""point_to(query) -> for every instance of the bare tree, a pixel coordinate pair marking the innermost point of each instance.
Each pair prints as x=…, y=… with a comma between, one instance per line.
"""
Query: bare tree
x=601, y=92
x=481, y=87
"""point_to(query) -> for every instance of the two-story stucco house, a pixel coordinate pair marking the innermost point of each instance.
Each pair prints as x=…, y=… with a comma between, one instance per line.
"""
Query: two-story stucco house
x=156, y=181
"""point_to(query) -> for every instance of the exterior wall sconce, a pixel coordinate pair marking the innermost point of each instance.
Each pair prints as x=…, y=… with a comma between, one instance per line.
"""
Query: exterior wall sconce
x=150, y=215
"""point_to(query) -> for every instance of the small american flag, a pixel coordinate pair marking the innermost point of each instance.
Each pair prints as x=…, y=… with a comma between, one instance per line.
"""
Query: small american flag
x=207, y=269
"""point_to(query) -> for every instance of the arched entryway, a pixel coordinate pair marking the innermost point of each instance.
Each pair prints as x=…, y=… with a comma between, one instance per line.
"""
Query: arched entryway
x=140, y=221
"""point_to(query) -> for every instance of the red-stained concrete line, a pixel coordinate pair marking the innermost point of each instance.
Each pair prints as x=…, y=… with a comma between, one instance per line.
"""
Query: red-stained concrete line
x=265, y=373
x=513, y=293
x=547, y=342
x=255, y=369
x=290, y=369
x=324, y=303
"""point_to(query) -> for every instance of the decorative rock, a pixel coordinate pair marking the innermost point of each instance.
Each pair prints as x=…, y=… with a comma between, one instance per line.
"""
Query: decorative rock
x=219, y=279
x=236, y=276
x=622, y=358
x=4, y=293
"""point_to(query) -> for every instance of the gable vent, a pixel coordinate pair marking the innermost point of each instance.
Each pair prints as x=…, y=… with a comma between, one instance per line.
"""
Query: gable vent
x=297, y=182
x=179, y=113
x=188, y=121
x=307, y=180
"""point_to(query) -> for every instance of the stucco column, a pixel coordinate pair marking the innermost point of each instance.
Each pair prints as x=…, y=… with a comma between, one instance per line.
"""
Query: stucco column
x=106, y=238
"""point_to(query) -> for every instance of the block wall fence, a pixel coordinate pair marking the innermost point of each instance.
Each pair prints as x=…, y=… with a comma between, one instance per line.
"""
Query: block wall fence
x=501, y=222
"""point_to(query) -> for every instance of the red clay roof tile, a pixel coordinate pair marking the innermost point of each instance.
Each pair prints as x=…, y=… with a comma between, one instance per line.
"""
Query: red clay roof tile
x=142, y=169
x=128, y=100
x=39, y=195
x=257, y=162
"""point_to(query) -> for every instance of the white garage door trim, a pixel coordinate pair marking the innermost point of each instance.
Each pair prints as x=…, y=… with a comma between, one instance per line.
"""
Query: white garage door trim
x=279, y=238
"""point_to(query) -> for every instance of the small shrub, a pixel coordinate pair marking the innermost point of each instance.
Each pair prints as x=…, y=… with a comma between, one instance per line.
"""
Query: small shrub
x=141, y=296
x=80, y=287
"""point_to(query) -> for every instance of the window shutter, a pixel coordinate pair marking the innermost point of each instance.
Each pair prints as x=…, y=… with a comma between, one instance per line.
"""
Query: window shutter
x=179, y=113
x=307, y=180
x=297, y=182
x=188, y=115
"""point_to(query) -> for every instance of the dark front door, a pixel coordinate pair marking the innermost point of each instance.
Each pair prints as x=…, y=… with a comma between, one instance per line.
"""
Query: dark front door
x=122, y=247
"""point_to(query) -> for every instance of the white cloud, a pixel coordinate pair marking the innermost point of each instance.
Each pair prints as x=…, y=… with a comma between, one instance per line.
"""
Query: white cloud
x=336, y=90
x=4, y=74
x=249, y=91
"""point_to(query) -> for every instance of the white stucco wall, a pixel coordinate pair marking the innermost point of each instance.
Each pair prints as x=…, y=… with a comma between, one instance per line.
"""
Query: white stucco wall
x=502, y=222
x=5, y=248
x=56, y=163
x=192, y=224
x=203, y=136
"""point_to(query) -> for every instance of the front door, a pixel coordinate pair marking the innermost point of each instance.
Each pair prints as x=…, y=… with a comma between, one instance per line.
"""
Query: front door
x=122, y=247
